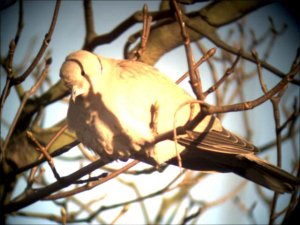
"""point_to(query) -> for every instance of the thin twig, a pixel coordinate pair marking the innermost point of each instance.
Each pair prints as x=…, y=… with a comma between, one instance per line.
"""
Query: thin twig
x=138, y=193
x=91, y=179
x=275, y=33
x=87, y=153
x=251, y=104
x=64, y=215
x=92, y=184
x=218, y=42
x=17, y=80
x=11, y=81
x=194, y=73
x=5, y=92
x=123, y=211
x=44, y=152
x=33, y=214
x=20, y=22
x=275, y=103
x=151, y=195
x=223, y=78
x=47, y=39
x=54, y=138
x=207, y=205
x=46, y=155
x=55, y=153
x=9, y=59
x=246, y=209
x=294, y=198
x=205, y=57
x=218, y=96
x=272, y=143
x=140, y=172
x=294, y=115
x=207, y=109
x=24, y=100
x=40, y=193
x=145, y=33
x=147, y=19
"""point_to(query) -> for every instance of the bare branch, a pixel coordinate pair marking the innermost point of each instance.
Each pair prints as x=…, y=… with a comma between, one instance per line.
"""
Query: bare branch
x=55, y=153
x=194, y=74
x=89, y=21
x=144, y=35
x=218, y=42
x=205, y=57
x=123, y=211
x=63, y=182
x=24, y=100
x=47, y=39
x=151, y=195
x=223, y=78
x=92, y=184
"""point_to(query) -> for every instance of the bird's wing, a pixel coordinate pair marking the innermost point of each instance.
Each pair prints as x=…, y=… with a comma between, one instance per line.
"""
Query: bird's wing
x=217, y=141
x=225, y=152
x=212, y=150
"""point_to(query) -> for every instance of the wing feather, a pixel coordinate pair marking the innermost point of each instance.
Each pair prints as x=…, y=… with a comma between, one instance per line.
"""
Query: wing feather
x=217, y=141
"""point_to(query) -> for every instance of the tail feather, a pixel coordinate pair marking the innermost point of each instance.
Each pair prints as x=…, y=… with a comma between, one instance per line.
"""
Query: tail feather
x=266, y=174
x=225, y=152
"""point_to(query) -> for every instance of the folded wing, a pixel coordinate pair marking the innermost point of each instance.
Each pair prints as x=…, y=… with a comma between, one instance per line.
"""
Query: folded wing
x=223, y=151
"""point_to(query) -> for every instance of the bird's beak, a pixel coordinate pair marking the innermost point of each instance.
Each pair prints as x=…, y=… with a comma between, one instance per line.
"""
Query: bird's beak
x=76, y=92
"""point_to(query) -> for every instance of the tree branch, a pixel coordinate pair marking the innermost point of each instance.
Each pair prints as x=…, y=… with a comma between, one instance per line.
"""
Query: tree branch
x=63, y=182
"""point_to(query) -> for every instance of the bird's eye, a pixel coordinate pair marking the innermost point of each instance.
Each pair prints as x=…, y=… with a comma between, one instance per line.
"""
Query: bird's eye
x=79, y=64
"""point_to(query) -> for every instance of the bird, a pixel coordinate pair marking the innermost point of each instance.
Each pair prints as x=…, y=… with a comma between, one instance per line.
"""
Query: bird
x=118, y=108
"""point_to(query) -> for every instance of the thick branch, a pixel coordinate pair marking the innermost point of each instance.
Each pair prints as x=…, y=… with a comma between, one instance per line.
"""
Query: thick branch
x=89, y=21
x=165, y=38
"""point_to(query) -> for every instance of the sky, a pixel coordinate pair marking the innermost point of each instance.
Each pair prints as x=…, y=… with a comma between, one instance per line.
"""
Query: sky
x=68, y=37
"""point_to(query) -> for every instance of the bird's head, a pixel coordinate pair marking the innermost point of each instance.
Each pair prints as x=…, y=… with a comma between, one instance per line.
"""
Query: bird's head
x=79, y=70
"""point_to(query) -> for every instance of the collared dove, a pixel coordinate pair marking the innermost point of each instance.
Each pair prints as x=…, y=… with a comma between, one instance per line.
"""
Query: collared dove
x=118, y=107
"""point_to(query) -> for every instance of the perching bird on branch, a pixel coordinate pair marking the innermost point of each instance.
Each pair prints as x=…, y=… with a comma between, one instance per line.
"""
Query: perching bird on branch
x=119, y=107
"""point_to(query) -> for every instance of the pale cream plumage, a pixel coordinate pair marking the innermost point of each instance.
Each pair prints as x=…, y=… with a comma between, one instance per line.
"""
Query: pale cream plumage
x=110, y=113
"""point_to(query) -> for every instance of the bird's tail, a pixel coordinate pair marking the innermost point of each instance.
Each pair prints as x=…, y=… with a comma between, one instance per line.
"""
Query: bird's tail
x=266, y=174
x=223, y=151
